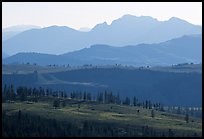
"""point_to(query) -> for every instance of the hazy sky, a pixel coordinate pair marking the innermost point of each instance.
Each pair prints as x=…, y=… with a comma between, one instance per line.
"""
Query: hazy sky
x=88, y=14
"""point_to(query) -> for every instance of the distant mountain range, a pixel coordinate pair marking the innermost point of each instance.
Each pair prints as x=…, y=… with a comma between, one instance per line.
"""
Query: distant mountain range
x=4, y=55
x=127, y=30
x=185, y=49
x=10, y=32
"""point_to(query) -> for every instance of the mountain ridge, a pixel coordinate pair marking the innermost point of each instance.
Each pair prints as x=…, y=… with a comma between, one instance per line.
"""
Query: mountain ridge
x=178, y=50
x=120, y=32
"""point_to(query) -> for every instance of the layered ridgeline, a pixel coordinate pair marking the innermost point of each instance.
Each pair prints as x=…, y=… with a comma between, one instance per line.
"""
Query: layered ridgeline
x=11, y=31
x=4, y=55
x=179, y=85
x=185, y=49
x=127, y=30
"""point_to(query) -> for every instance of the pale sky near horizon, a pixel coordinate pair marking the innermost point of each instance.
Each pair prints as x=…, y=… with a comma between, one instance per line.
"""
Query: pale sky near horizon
x=88, y=14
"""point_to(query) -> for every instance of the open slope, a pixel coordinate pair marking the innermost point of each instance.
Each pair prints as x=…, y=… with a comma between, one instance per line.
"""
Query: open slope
x=122, y=118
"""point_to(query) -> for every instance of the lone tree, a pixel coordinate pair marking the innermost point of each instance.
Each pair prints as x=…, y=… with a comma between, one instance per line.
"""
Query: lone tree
x=179, y=110
x=187, y=118
x=152, y=114
x=56, y=103
x=135, y=100
x=127, y=101
x=19, y=114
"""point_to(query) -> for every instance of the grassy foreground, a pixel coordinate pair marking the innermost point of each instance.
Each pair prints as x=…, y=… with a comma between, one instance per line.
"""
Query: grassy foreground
x=120, y=115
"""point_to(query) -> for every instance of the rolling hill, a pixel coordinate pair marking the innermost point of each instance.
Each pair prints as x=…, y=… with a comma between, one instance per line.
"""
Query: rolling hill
x=158, y=84
x=185, y=49
x=120, y=120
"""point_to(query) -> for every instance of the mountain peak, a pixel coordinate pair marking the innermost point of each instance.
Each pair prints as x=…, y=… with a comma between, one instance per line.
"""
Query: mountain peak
x=174, y=18
x=55, y=27
x=100, y=26
x=127, y=18
x=177, y=20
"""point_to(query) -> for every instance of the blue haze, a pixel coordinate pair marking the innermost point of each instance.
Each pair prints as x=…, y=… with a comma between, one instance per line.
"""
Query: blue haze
x=127, y=30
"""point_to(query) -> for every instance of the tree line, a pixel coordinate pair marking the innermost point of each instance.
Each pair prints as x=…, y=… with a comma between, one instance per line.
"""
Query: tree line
x=23, y=93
